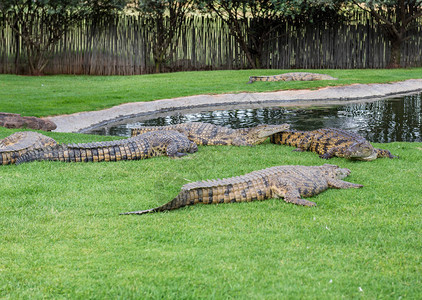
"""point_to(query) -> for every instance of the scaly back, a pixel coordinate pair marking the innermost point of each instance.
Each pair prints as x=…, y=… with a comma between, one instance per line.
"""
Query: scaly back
x=278, y=171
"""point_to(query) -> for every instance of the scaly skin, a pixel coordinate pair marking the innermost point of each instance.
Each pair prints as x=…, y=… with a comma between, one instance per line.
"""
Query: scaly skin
x=330, y=142
x=288, y=182
x=209, y=134
x=294, y=76
x=170, y=143
x=20, y=143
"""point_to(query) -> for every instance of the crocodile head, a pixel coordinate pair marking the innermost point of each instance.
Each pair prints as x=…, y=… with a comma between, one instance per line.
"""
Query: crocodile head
x=334, y=171
x=360, y=151
x=261, y=132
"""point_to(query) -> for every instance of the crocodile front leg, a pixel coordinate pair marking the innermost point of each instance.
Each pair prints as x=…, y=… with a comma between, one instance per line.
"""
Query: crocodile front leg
x=304, y=144
x=177, y=149
x=384, y=153
x=340, y=184
x=330, y=153
x=286, y=189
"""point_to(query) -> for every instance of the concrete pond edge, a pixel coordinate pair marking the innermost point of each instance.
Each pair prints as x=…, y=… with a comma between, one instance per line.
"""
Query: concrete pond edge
x=84, y=121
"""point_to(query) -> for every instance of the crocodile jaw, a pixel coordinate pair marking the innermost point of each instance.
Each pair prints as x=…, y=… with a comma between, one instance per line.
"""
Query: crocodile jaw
x=360, y=151
x=342, y=173
x=364, y=154
x=371, y=157
x=334, y=171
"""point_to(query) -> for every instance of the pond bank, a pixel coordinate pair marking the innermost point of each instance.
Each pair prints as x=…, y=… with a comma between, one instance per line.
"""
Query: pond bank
x=77, y=122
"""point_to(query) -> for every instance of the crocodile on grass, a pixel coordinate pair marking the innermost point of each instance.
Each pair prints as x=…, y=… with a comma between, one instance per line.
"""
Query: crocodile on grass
x=294, y=76
x=330, y=142
x=21, y=142
x=209, y=134
x=289, y=182
x=158, y=143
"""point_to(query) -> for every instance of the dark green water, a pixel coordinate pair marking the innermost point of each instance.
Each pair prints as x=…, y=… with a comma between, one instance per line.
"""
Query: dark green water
x=389, y=120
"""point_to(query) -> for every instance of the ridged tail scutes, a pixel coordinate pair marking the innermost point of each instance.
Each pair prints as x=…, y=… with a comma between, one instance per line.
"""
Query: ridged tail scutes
x=31, y=156
x=181, y=200
x=7, y=158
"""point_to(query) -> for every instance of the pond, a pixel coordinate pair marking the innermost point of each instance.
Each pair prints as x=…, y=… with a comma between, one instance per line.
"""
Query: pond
x=388, y=120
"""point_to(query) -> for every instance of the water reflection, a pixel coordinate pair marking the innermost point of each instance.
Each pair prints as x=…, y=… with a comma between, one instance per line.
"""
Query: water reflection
x=395, y=119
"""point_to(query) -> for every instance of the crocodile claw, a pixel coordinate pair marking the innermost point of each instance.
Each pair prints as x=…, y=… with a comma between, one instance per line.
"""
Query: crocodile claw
x=325, y=156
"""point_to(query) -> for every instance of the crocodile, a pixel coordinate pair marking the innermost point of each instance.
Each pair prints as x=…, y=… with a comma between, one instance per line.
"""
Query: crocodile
x=294, y=76
x=150, y=144
x=20, y=143
x=288, y=182
x=330, y=142
x=209, y=134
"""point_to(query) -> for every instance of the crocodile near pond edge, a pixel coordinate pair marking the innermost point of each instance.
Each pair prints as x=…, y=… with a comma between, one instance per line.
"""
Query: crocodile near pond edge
x=209, y=134
x=151, y=144
x=293, y=76
x=288, y=182
x=330, y=142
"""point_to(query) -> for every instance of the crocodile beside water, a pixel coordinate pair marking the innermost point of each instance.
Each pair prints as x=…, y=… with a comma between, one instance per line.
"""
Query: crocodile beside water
x=151, y=144
x=330, y=142
x=210, y=134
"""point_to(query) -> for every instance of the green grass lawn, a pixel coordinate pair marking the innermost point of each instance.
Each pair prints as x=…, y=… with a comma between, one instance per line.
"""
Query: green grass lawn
x=62, y=235
x=53, y=95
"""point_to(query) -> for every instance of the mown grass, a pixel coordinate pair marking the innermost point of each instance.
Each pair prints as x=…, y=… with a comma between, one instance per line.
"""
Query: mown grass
x=62, y=235
x=54, y=95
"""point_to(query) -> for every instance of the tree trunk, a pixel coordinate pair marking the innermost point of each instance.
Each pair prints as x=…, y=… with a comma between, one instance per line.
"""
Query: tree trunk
x=36, y=61
x=250, y=58
x=395, y=53
x=157, y=66
x=17, y=39
x=239, y=38
x=258, y=64
x=37, y=73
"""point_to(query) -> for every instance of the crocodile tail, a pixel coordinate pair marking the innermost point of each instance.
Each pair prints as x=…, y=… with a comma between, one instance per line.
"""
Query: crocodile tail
x=46, y=153
x=7, y=158
x=181, y=200
x=30, y=156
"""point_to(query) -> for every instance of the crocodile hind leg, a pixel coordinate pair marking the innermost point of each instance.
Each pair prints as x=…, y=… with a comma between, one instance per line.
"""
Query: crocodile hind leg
x=176, y=150
x=287, y=190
